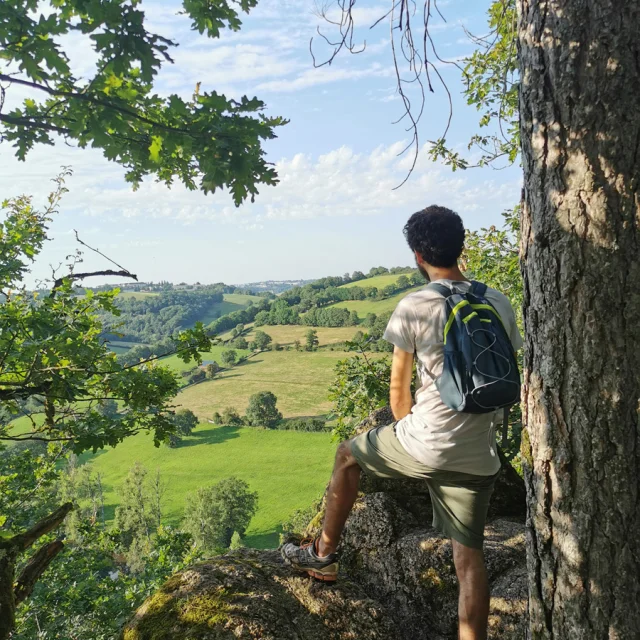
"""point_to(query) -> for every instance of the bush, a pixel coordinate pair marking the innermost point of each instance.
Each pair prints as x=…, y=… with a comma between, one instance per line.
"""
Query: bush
x=303, y=424
x=197, y=376
x=231, y=418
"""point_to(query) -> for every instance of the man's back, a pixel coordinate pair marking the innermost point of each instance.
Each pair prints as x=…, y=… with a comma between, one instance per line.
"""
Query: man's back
x=433, y=433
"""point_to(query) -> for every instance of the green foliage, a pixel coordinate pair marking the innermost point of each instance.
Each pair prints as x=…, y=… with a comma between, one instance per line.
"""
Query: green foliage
x=78, y=484
x=50, y=349
x=261, y=340
x=312, y=340
x=207, y=142
x=213, y=514
x=361, y=386
x=229, y=358
x=492, y=256
x=185, y=421
x=236, y=541
x=310, y=425
x=262, y=410
x=231, y=418
x=134, y=516
x=28, y=471
x=87, y=594
x=156, y=319
x=240, y=343
x=491, y=85
x=211, y=369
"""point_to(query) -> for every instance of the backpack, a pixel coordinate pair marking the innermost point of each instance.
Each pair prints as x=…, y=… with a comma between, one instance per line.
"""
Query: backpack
x=480, y=372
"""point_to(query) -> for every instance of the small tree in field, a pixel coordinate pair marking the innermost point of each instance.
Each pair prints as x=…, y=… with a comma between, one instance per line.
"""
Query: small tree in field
x=229, y=358
x=240, y=343
x=186, y=421
x=211, y=369
x=312, y=340
x=262, y=340
x=213, y=514
x=262, y=411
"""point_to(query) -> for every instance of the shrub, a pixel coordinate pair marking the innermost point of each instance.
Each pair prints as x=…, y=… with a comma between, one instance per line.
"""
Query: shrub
x=231, y=418
x=197, y=376
x=303, y=424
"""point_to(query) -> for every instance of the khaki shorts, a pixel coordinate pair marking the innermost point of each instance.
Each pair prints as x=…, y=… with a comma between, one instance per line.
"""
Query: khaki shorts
x=460, y=500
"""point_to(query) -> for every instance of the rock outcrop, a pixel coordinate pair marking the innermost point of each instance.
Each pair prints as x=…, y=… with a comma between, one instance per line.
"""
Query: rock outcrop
x=397, y=579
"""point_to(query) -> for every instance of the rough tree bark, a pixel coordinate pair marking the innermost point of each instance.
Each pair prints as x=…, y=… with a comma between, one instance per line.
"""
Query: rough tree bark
x=13, y=590
x=580, y=125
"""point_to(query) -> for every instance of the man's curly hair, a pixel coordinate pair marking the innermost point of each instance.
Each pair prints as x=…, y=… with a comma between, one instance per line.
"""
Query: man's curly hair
x=437, y=234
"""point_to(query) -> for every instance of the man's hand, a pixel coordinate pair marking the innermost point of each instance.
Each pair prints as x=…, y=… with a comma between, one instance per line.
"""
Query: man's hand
x=401, y=373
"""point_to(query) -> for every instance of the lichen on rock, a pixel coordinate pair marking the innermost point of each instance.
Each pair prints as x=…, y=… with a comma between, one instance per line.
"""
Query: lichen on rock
x=251, y=594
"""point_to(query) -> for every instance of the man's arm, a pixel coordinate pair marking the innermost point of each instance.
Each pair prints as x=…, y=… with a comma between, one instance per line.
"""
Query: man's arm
x=401, y=373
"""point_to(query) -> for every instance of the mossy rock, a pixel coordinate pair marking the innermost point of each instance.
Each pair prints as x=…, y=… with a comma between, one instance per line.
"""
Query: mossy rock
x=250, y=594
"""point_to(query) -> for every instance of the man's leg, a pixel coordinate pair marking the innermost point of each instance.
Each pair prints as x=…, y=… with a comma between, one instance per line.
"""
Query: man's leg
x=342, y=493
x=473, y=604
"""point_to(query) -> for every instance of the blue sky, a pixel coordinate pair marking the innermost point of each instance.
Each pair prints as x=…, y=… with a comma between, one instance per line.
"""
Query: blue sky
x=335, y=209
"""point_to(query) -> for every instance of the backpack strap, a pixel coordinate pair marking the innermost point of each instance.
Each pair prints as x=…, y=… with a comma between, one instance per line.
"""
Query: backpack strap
x=478, y=288
x=442, y=289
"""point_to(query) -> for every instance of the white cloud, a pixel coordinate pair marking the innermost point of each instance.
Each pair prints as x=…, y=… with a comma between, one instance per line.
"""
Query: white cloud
x=338, y=183
x=322, y=75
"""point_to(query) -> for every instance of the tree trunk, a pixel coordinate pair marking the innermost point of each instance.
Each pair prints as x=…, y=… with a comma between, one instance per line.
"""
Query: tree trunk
x=580, y=126
x=13, y=591
x=8, y=555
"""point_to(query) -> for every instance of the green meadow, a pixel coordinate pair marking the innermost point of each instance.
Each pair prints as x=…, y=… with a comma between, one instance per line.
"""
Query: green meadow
x=363, y=307
x=300, y=381
x=288, y=469
x=380, y=282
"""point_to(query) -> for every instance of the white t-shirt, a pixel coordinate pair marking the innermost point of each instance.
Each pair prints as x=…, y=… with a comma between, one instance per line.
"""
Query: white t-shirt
x=432, y=433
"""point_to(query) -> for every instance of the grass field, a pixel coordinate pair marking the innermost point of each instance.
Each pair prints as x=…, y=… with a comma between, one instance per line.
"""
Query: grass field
x=377, y=281
x=299, y=380
x=137, y=295
x=288, y=469
x=363, y=307
x=232, y=302
x=288, y=334
x=215, y=354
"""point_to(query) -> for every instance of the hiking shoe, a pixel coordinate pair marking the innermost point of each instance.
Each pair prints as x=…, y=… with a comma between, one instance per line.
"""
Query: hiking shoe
x=303, y=557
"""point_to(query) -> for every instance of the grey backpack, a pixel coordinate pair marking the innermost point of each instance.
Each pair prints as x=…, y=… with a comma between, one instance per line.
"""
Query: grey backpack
x=480, y=372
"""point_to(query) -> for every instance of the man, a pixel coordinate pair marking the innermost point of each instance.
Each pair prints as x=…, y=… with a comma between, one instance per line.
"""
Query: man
x=454, y=452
